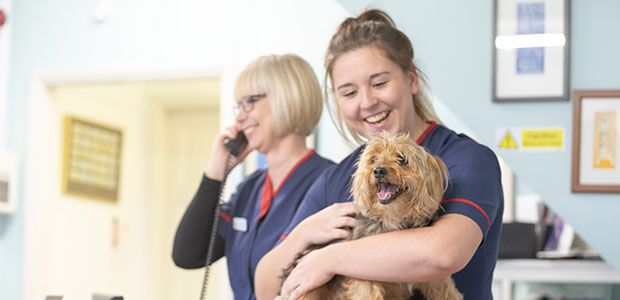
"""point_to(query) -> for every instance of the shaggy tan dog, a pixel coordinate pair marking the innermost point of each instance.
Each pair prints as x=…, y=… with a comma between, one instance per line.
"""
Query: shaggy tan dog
x=397, y=185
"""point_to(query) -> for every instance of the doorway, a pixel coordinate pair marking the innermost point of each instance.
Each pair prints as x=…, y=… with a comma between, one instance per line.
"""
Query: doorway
x=76, y=246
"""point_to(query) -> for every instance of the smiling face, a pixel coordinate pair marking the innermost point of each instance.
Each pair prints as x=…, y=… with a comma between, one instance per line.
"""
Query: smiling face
x=373, y=93
x=257, y=125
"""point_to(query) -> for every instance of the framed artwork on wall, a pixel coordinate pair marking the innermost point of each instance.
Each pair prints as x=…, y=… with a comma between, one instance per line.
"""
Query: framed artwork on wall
x=530, y=50
x=91, y=165
x=596, y=146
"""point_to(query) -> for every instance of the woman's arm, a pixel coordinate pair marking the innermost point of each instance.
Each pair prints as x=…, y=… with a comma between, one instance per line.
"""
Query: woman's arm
x=412, y=255
x=322, y=227
x=193, y=234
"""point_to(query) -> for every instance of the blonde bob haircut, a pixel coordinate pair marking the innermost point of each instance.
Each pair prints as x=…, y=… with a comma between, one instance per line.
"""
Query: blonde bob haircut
x=291, y=88
x=375, y=28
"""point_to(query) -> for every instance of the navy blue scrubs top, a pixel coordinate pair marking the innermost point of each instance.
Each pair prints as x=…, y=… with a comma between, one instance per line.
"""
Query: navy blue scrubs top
x=474, y=191
x=252, y=222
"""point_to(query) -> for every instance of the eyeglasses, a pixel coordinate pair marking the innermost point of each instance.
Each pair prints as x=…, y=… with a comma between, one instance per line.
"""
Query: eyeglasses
x=247, y=103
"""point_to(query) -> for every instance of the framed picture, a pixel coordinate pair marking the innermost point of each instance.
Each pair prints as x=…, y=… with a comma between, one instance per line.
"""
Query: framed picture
x=92, y=156
x=596, y=146
x=530, y=50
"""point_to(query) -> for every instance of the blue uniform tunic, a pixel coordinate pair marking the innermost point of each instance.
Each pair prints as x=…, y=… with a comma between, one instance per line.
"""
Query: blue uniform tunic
x=474, y=191
x=251, y=222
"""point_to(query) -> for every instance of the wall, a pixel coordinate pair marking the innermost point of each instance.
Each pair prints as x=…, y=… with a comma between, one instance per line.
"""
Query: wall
x=10, y=230
x=453, y=46
x=148, y=37
x=5, y=5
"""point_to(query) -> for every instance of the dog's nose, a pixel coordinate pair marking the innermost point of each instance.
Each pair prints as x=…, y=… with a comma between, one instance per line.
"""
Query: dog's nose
x=379, y=172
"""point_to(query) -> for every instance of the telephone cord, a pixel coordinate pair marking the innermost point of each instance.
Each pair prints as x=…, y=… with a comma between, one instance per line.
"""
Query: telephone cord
x=212, y=238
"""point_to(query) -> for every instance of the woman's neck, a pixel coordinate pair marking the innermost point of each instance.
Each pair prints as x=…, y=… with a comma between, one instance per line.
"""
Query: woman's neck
x=284, y=156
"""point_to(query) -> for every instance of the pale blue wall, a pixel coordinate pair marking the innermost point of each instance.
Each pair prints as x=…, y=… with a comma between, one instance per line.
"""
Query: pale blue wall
x=453, y=43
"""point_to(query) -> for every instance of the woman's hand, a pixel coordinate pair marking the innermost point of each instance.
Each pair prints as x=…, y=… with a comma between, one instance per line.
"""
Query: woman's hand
x=330, y=223
x=311, y=272
x=314, y=269
x=322, y=227
x=215, y=168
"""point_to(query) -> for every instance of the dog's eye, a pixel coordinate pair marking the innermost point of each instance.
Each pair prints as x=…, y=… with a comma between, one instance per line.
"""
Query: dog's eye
x=373, y=159
x=402, y=160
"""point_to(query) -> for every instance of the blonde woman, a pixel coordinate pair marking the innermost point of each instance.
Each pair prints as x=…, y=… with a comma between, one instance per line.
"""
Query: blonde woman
x=279, y=104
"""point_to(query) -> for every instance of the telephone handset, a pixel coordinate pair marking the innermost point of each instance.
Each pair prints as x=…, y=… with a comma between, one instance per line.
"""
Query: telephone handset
x=236, y=146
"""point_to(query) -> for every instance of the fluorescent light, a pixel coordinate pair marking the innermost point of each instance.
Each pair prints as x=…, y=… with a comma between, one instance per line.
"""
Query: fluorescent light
x=530, y=40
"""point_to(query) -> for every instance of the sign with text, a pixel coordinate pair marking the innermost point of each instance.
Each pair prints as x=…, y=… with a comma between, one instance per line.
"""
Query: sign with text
x=528, y=139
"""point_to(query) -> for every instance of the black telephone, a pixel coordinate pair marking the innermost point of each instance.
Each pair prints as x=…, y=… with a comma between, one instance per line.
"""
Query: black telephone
x=236, y=146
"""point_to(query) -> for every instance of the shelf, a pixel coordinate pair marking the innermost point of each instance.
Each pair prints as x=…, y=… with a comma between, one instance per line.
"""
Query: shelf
x=557, y=271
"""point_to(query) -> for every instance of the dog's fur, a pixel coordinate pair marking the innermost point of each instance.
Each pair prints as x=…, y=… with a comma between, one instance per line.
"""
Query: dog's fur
x=397, y=185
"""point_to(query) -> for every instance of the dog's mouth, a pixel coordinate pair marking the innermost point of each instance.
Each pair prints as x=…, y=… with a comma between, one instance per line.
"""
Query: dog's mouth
x=388, y=192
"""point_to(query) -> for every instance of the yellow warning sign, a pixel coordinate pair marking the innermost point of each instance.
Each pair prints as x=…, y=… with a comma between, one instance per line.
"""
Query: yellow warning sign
x=508, y=142
x=542, y=138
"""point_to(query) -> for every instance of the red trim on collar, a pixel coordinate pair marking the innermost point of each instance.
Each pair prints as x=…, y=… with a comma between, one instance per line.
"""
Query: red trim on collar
x=265, y=201
x=426, y=132
x=268, y=193
x=225, y=217
x=470, y=203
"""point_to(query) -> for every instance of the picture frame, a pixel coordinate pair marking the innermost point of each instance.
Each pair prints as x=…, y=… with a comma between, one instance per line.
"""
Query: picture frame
x=92, y=159
x=530, y=50
x=596, y=146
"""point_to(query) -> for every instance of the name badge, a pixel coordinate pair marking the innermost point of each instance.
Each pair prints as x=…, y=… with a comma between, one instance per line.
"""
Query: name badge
x=240, y=224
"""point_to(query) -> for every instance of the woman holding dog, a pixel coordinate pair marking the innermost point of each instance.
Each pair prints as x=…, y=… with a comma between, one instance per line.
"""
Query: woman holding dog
x=279, y=105
x=376, y=87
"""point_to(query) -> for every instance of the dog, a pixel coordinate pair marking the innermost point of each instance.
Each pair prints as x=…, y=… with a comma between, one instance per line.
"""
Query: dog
x=397, y=185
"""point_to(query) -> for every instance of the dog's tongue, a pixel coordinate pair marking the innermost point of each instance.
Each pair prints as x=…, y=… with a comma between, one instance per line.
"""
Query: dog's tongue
x=386, y=190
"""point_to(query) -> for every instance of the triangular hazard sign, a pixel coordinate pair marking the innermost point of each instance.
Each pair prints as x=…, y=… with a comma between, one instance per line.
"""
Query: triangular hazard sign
x=508, y=142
